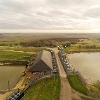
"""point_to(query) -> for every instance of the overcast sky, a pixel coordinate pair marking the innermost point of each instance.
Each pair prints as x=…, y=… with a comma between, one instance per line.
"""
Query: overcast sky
x=50, y=15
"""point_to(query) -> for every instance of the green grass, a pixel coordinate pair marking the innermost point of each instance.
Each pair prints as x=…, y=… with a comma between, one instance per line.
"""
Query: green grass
x=28, y=49
x=9, y=43
x=86, y=98
x=84, y=45
x=24, y=49
x=77, y=49
x=44, y=90
x=10, y=55
x=77, y=84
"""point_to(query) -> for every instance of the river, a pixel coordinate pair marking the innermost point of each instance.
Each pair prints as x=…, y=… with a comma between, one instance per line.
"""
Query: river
x=88, y=64
x=11, y=74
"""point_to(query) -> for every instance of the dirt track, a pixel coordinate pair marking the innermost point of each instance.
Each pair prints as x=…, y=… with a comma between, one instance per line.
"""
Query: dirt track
x=65, y=93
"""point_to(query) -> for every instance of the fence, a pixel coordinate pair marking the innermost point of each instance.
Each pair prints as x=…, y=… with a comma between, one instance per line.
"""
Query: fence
x=32, y=81
x=16, y=95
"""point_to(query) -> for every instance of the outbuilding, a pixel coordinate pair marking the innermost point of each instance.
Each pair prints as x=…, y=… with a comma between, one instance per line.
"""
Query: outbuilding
x=42, y=63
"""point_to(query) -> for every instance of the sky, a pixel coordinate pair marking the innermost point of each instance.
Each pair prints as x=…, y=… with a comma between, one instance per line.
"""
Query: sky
x=50, y=15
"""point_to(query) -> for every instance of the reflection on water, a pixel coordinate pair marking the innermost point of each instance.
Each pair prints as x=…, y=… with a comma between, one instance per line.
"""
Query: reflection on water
x=11, y=74
x=88, y=64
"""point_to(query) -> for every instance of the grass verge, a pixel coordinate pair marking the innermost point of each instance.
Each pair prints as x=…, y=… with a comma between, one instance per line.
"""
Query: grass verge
x=45, y=89
x=77, y=84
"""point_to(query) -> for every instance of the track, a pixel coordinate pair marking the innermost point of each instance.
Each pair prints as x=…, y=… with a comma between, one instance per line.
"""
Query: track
x=65, y=93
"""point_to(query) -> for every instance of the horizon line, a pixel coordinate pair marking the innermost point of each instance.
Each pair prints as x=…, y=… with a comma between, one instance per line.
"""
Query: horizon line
x=47, y=31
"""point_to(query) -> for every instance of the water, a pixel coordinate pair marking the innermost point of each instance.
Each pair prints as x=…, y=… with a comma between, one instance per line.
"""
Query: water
x=88, y=64
x=11, y=74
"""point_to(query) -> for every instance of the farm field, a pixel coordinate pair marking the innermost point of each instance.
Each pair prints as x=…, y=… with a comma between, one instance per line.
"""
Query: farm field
x=84, y=45
x=22, y=49
x=9, y=55
x=77, y=42
x=18, y=52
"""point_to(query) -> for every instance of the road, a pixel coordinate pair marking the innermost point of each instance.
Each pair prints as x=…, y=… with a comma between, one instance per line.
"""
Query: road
x=65, y=93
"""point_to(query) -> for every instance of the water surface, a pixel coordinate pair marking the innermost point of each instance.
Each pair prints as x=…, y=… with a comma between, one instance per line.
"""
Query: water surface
x=11, y=74
x=88, y=64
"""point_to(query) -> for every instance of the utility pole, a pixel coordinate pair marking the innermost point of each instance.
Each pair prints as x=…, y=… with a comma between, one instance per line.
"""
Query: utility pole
x=8, y=86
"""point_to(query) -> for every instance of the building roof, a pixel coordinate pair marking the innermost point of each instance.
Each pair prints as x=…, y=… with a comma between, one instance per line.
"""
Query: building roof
x=42, y=62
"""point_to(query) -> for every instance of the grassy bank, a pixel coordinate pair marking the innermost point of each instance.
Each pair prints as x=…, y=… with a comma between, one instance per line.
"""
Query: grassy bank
x=86, y=98
x=77, y=84
x=45, y=89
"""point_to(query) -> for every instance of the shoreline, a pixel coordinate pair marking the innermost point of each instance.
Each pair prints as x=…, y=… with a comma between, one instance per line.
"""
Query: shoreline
x=89, y=79
x=93, y=51
x=20, y=83
x=13, y=75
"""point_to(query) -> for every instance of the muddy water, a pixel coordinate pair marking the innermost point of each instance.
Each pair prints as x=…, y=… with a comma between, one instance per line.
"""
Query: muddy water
x=88, y=64
x=11, y=74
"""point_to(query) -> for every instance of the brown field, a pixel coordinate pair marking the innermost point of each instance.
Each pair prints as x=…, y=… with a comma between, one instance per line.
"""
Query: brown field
x=39, y=36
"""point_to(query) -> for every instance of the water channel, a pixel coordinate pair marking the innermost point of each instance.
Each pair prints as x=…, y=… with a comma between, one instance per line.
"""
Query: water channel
x=88, y=64
x=11, y=74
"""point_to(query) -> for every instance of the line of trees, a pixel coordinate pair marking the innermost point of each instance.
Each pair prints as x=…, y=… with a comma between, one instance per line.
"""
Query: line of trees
x=40, y=43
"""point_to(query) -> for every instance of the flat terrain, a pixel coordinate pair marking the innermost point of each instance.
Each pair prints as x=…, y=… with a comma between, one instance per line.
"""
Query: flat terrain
x=37, y=36
x=11, y=44
x=84, y=45
x=10, y=55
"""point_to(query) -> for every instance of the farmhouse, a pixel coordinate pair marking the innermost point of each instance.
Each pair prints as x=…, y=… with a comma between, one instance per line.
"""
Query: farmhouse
x=42, y=63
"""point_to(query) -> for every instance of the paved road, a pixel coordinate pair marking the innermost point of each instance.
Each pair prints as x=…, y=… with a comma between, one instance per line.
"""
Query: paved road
x=65, y=87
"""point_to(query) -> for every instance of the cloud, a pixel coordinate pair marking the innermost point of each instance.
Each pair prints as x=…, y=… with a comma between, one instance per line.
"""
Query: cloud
x=49, y=14
x=93, y=12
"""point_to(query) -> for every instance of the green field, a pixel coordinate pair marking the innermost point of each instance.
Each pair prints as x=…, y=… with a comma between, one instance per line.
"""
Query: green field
x=45, y=89
x=10, y=43
x=77, y=84
x=84, y=45
x=24, y=49
x=10, y=55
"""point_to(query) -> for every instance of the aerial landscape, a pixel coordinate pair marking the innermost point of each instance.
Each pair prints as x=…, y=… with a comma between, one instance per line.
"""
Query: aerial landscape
x=73, y=61
x=49, y=50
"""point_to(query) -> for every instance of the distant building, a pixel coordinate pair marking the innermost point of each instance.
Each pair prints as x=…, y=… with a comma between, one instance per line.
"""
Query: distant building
x=42, y=63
